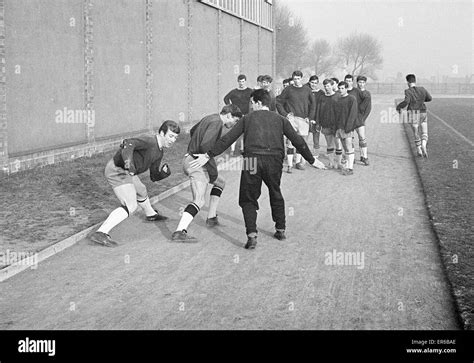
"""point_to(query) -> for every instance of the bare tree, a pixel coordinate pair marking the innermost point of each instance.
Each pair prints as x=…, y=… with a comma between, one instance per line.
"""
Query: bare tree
x=359, y=54
x=320, y=58
x=291, y=41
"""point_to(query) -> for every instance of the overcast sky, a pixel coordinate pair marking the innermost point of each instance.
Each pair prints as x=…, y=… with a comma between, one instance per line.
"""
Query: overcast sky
x=425, y=37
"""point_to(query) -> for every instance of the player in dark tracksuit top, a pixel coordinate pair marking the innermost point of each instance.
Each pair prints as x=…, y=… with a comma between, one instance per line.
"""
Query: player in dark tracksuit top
x=415, y=98
x=136, y=156
x=203, y=137
x=297, y=103
x=263, y=139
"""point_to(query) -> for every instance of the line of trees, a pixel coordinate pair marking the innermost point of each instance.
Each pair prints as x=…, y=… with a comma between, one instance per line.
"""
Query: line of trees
x=357, y=53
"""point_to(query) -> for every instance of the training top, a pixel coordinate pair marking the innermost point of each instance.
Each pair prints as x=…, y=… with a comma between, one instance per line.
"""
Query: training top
x=263, y=135
x=327, y=111
x=364, y=104
x=298, y=100
x=203, y=137
x=142, y=153
x=347, y=113
x=240, y=98
x=415, y=98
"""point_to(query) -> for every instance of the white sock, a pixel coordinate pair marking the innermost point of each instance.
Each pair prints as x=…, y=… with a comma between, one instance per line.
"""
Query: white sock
x=364, y=152
x=213, y=203
x=289, y=157
x=186, y=219
x=232, y=147
x=350, y=161
x=338, y=159
x=147, y=208
x=118, y=215
x=297, y=158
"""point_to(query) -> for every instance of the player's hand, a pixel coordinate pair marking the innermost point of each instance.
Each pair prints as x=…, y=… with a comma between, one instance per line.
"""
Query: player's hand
x=200, y=161
x=290, y=117
x=313, y=122
x=318, y=164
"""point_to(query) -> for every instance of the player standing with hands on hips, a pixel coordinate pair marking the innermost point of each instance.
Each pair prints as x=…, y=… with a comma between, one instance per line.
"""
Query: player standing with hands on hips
x=136, y=156
x=263, y=140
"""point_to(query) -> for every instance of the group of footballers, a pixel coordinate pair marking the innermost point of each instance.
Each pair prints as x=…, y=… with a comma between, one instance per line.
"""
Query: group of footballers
x=263, y=121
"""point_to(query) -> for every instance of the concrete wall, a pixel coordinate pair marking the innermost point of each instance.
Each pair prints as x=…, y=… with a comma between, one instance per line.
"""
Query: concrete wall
x=81, y=74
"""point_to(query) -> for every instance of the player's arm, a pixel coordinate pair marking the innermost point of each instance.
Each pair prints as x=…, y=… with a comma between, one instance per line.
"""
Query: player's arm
x=227, y=99
x=281, y=101
x=367, y=106
x=405, y=102
x=128, y=146
x=312, y=107
x=353, y=114
x=221, y=145
x=157, y=173
x=428, y=97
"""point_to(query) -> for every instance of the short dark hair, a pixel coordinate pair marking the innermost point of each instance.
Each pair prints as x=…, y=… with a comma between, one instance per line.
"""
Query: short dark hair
x=362, y=78
x=267, y=78
x=335, y=80
x=343, y=83
x=348, y=76
x=297, y=74
x=286, y=80
x=261, y=95
x=314, y=78
x=241, y=76
x=327, y=80
x=411, y=78
x=169, y=125
x=234, y=110
x=260, y=78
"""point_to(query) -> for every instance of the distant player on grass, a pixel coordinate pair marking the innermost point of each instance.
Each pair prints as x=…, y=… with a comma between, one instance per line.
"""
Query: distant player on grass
x=345, y=124
x=203, y=137
x=240, y=97
x=136, y=156
x=415, y=98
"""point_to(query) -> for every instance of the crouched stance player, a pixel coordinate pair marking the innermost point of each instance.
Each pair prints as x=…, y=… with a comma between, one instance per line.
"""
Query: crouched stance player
x=203, y=137
x=136, y=155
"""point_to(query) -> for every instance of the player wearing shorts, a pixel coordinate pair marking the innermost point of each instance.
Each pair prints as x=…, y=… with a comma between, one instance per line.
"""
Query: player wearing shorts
x=415, y=98
x=345, y=124
x=203, y=137
x=136, y=156
x=364, y=106
x=326, y=113
x=296, y=103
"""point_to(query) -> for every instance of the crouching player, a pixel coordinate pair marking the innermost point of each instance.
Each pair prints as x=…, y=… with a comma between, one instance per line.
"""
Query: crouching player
x=136, y=156
x=345, y=124
x=203, y=137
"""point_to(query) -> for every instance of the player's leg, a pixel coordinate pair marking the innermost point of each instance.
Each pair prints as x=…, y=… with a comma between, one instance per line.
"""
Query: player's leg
x=250, y=190
x=216, y=191
x=330, y=146
x=271, y=175
x=198, y=181
x=289, y=156
x=363, y=145
x=349, y=150
x=144, y=201
x=414, y=120
x=316, y=135
x=338, y=147
x=424, y=133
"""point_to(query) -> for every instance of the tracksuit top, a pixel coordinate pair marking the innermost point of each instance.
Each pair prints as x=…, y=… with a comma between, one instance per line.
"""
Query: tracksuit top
x=297, y=100
x=347, y=113
x=143, y=153
x=327, y=111
x=240, y=98
x=415, y=98
x=263, y=135
x=203, y=137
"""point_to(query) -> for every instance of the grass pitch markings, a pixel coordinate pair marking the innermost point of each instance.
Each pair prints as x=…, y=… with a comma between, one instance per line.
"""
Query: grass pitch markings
x=452, y=129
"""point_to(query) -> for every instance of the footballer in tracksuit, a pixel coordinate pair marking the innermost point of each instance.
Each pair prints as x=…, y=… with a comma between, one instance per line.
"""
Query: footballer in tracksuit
x=136, y=156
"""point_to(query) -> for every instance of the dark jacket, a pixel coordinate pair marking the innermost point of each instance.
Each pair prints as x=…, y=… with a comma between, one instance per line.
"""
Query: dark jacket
x=263, y=135
x=141, y=154
x=415, y=98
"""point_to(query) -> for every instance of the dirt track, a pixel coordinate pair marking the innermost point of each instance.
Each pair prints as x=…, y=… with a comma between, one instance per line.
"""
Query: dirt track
x=151, y=283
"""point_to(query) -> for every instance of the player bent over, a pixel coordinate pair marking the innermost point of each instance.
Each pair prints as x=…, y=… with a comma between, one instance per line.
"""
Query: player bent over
x=203, y=137
x=345, y=124
x=415, y=98
x=136, y=156
x=263, y=142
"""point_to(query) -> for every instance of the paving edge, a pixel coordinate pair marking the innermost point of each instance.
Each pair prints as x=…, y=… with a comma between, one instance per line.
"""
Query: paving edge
x=42, y=255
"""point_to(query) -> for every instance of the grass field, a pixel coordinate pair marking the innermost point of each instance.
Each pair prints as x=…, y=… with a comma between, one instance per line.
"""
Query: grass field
x=45, y=205
x=447, y=181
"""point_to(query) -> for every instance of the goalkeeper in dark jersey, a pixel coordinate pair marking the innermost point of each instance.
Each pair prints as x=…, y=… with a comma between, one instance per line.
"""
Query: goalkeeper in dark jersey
x=136, y=156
